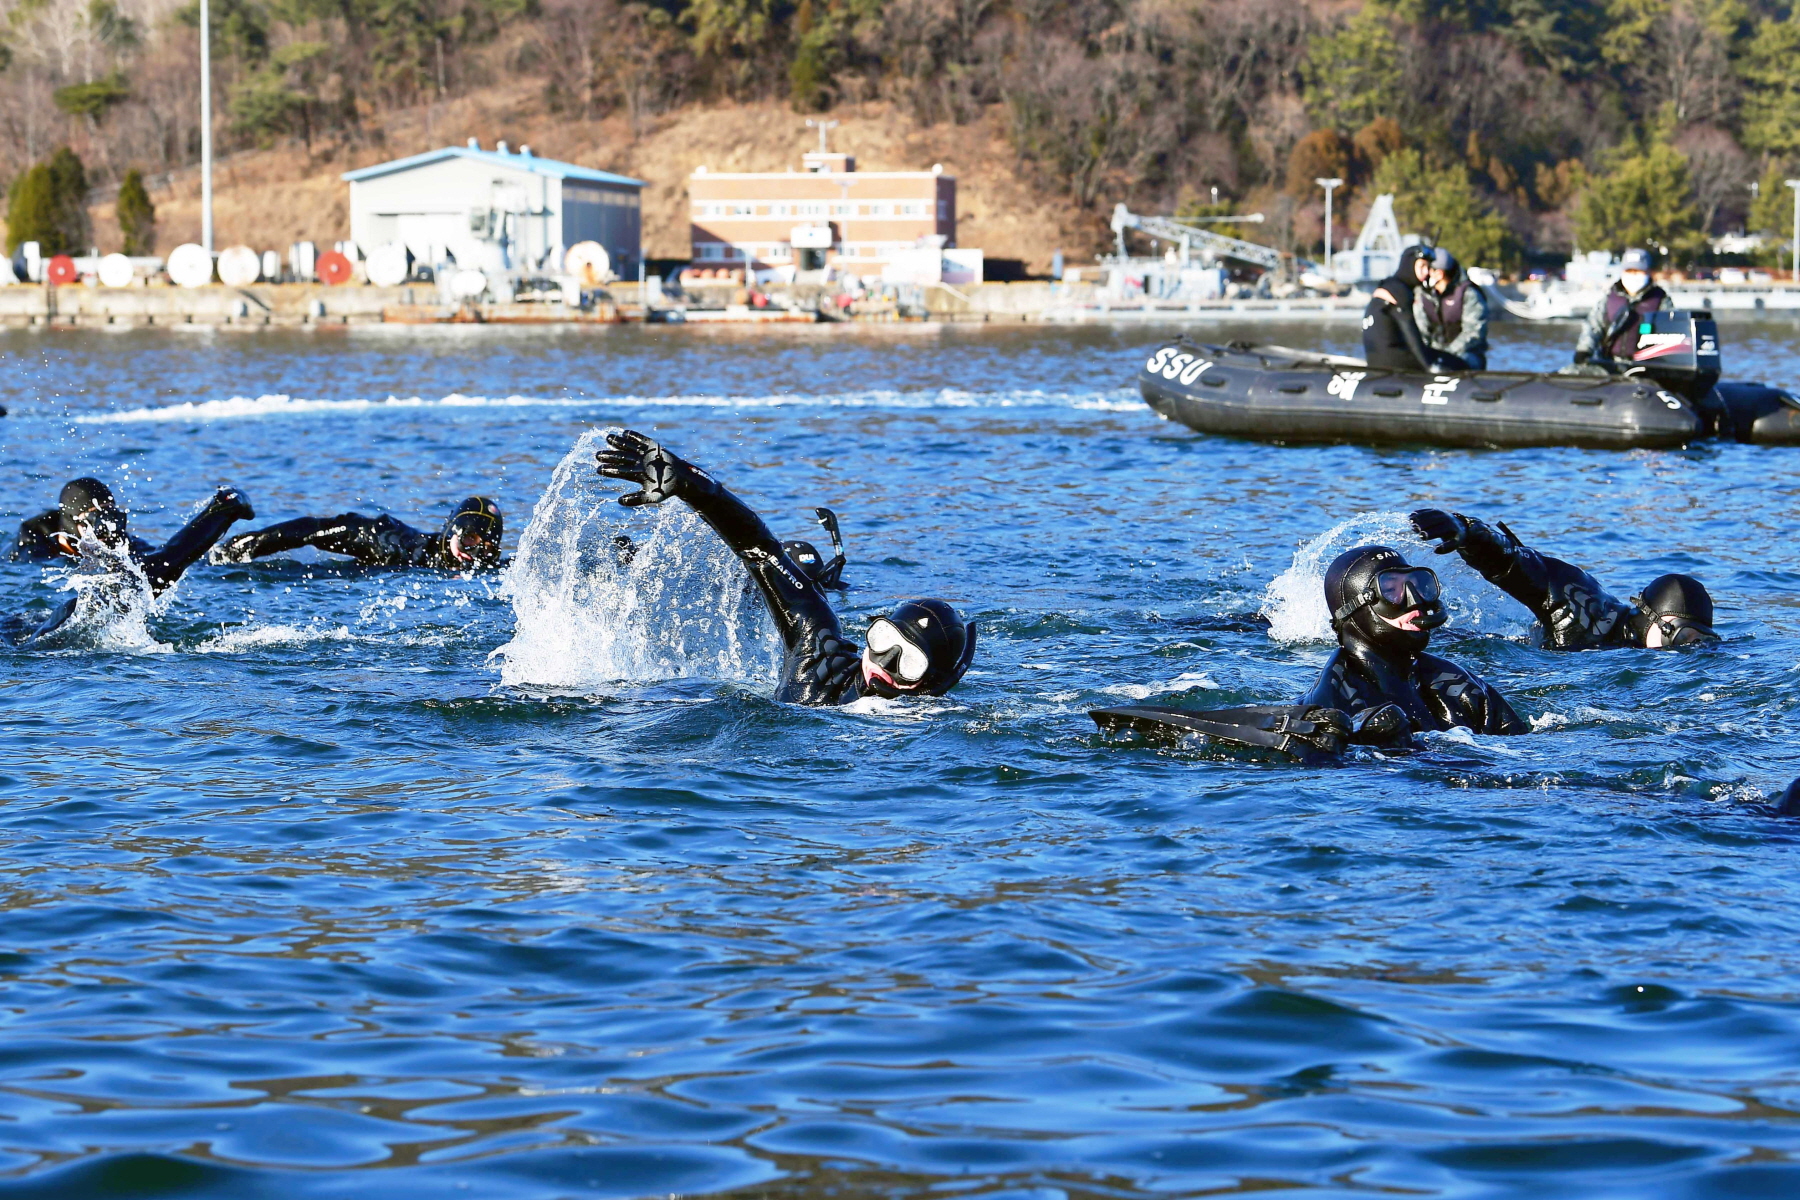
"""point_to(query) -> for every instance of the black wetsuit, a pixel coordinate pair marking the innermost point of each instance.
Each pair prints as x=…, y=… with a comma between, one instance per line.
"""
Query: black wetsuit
x=1573, y=611
x=1390, y=338
x=1434, y=693
x=1381, y=675
x=372, y=541
x=42, y=538
x=161, y=568
x=819, y=665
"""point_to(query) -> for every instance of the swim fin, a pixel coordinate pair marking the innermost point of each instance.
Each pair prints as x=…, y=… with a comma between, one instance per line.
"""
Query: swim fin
x=1301, y=731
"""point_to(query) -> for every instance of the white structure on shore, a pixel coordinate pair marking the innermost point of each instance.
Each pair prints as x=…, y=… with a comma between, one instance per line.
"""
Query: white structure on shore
x=496, y=209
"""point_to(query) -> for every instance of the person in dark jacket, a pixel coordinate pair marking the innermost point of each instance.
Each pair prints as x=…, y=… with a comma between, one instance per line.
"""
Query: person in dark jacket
x=1383, y=610
x=87, y=516
x=921, y=648
x=1609, y=336
x=1390, y=338
x=1573, y=611
x=468, y=541
x=1451, y=312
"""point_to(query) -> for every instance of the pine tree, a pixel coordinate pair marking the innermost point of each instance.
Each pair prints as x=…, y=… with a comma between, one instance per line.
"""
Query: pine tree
x=1642, y=198
x=137, y=216
x=69, y=188
x=31, y=212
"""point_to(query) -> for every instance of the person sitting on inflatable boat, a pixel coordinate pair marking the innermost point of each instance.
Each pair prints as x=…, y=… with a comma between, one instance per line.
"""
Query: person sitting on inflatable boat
x=1390, y=338
x=1451, y=312
x=1609, y=338
x=1573, y=611
x=920, y=648
x=1383, y=610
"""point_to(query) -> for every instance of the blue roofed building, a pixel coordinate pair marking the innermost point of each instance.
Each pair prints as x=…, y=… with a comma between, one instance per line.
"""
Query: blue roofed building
x=496, y=209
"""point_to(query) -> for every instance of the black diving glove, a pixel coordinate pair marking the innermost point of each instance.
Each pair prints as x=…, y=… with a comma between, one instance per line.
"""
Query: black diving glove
x=1449, y=530
x=661, y=473
x=1482, y=546
x=1582, y=357
x=1381, y=726
x=1330, y=730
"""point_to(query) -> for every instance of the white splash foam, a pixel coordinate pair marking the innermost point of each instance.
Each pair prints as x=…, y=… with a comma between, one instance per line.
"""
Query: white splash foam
x=256, y=637
x=585, y=617
x=247, y=407
x=1294, y=601
x=1143, y=691
x=114, y=606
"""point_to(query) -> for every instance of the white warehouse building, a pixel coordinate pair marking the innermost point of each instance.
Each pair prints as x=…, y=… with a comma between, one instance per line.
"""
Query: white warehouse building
x=496, y=209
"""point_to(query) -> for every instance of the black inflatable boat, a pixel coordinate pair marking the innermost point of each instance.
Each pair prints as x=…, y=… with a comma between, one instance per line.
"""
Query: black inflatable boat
x=1670, y=396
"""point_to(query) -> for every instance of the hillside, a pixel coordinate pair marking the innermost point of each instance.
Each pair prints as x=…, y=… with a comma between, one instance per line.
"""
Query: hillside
x=269, y=198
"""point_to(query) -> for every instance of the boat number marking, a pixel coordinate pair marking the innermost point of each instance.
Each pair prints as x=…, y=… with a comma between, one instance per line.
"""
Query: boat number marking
x=1438, y=391
x=1343, y=384
x=1171, y=364
x=1674, y=402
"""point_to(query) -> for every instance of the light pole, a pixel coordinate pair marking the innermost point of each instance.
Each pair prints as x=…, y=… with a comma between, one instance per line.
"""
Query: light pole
x=821, y=125
x=1795, y=184
x=1328, y=185
x=206, y=224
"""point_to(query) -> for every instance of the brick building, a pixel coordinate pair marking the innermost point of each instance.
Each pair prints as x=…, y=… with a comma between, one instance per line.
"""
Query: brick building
x=828, y=214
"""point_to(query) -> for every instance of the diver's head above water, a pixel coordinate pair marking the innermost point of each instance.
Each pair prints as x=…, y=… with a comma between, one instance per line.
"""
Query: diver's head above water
x=88, y=508
x=1377, y=598
x=1674, y=611
x=920, y=649
x=472, y=534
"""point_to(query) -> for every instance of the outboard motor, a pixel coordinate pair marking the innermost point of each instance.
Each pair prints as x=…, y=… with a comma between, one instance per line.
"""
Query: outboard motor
x=1680, y=351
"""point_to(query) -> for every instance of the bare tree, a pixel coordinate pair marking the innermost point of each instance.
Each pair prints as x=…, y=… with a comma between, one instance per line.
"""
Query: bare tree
x=1718, y=168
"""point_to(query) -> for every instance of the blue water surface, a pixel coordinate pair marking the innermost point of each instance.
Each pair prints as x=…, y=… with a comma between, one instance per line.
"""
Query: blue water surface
x=309, y=893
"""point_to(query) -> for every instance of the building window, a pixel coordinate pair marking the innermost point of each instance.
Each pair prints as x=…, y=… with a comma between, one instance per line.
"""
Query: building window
x=743, y=210
x=784, y=210
x=912, y=210
x=809, y=210
x=842, y=210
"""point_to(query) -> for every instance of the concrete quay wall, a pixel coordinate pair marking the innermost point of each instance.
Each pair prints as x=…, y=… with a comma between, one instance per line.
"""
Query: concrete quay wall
x=259, y=304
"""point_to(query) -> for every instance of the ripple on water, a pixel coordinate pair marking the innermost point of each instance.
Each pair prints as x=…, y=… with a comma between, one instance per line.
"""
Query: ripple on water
x=321, y=880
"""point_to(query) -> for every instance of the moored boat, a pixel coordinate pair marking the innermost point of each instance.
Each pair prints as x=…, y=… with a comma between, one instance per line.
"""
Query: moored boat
x=1670, y=396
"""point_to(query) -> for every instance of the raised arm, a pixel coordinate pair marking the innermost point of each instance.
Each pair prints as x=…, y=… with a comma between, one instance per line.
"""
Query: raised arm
x=192, y=541
x=801, y=611
x=1568, y=602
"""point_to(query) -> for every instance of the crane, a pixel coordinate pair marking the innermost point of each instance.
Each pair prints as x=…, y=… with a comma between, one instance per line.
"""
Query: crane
x=1213, y=245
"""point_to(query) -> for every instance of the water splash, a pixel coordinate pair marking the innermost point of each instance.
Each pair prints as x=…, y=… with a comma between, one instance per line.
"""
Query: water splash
x=113, y=605
x=1294, y=601
x=590, y=611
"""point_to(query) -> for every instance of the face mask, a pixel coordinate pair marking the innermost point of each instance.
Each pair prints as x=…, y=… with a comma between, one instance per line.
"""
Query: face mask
x=884, y=639
x=1669, y=631
x=1634, y=281
x=468, y=541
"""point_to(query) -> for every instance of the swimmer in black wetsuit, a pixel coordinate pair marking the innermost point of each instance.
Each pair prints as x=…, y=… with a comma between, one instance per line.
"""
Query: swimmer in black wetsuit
x=86, y=510
x=469, y=540
x=1573, y=611
x=921, y=648
x=1383, y=611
